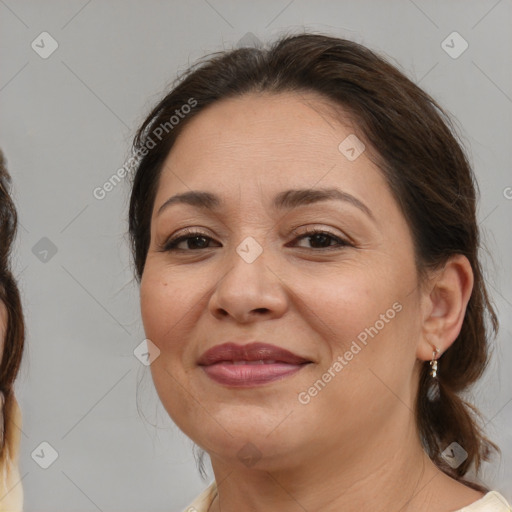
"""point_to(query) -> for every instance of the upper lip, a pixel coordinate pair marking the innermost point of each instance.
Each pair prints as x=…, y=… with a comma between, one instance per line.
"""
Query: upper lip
x=254, y=351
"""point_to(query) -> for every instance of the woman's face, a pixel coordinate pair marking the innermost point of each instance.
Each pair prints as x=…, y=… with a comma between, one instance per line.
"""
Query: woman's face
x=3, y=331
x=3, y=327
x=344, y=302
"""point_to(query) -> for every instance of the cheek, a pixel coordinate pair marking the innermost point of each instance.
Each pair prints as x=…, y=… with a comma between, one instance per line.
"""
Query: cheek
x=368, y=316
x=166, y=308
x=165, y=305
x=343, y=302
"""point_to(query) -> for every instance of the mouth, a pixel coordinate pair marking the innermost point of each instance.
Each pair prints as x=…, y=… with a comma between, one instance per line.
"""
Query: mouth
x=249, y=365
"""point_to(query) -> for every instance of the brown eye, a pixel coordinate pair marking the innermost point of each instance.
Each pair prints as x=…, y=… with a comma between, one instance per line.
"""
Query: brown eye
x=321, y=240
x=190, y=241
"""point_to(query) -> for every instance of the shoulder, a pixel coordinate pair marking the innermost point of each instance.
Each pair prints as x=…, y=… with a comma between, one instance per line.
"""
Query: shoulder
x=204, y=500
x=493, y=501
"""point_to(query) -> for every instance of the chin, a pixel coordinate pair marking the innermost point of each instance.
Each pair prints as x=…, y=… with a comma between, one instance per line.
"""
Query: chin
x=253, y=451
x=236, y=433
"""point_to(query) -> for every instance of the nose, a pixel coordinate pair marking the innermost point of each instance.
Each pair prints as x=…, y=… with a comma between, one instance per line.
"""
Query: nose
x=249, y=292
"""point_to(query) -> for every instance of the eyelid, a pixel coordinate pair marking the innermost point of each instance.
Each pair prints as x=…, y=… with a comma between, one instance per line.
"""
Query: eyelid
x=340, y=241
x=189, y=233
x=182, y=235
x=306, y=229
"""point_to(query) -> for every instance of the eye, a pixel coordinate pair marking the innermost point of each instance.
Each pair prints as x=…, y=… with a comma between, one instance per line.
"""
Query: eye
x=321, y=239
x=310, y=239
x=189, y=241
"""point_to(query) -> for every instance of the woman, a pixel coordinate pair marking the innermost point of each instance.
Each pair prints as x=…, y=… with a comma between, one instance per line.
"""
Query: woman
x=303, y=227
x=11, y=351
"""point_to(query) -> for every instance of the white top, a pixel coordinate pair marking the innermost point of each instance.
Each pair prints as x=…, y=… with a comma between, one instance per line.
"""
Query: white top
x=493, y=501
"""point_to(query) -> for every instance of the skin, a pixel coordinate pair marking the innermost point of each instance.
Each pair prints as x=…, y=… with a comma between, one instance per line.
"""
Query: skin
x=3, y=326
x=354, y=445
x=3, y=330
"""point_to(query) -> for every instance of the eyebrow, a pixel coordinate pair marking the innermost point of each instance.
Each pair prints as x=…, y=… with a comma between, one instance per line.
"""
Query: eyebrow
x=284, y=200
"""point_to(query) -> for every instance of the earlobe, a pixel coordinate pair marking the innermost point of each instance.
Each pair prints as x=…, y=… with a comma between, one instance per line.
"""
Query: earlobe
x=446, y=300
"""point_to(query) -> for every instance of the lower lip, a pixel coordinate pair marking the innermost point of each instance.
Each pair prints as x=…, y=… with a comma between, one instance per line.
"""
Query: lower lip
x=249, y=375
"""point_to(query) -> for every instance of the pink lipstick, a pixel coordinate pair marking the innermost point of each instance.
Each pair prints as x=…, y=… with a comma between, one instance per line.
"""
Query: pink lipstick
x=249, y=365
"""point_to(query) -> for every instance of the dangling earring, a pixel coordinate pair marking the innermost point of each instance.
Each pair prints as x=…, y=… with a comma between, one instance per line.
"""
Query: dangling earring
x=433, y=389
x=433, y=363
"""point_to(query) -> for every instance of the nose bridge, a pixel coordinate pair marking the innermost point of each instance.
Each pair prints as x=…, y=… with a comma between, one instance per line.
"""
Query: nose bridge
x=249, y=285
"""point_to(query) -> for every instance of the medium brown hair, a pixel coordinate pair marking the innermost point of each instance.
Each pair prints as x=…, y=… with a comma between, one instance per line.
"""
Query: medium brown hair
x=9, y=295
x=419, y=155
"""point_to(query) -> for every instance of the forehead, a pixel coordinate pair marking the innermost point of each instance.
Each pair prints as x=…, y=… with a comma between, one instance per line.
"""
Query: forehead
x=273, y=124
x=264, y=142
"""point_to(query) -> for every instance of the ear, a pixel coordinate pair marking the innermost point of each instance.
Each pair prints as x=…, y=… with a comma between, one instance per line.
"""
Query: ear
x=444, y=301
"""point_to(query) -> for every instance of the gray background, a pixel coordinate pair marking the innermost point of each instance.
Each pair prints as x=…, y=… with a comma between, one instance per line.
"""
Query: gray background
x=66, y=125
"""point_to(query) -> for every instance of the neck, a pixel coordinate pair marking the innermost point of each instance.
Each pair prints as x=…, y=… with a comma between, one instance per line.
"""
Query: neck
x=389, y=472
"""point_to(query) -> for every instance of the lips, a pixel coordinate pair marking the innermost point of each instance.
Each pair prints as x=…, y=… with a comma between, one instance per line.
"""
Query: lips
x=249, y=364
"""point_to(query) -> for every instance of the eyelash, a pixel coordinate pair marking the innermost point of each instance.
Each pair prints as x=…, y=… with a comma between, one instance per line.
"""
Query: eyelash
x=172, y=243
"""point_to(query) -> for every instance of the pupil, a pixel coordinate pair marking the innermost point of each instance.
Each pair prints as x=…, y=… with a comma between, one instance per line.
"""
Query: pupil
x=198, y=241
x=319, y=240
